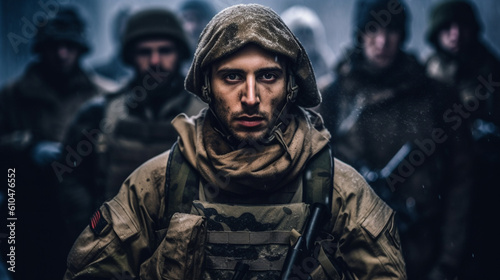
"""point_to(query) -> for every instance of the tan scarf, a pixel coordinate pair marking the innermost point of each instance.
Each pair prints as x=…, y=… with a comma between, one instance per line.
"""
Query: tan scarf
x=251, y=167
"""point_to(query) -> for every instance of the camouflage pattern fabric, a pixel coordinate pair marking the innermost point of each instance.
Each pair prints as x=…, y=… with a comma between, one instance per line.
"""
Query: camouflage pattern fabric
x=181, y=257
x=256, y=235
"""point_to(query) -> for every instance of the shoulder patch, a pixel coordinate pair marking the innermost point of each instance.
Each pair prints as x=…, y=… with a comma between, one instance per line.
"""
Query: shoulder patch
x=98, y=223
x=377, y=218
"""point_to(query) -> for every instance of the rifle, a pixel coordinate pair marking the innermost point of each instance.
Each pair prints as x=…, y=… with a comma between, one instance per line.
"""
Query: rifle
x=377, y=179
x=304, y=246
x=482, y=129
x=240, y=270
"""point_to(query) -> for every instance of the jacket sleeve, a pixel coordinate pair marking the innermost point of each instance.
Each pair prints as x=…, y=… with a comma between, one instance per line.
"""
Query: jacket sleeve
x=12, y=139
x=78, y=173
x=457, y=191
x=125, y=231
x=364, y=226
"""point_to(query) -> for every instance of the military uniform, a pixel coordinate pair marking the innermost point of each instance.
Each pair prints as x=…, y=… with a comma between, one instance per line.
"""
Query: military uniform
x=39, y=111
x=125, y=128
x=240, y=203
x=473, y=73
x=124, y=133
x=132, y=235
x=35, y=112
x=388, y=123
x=374, y=117
x=35, y=116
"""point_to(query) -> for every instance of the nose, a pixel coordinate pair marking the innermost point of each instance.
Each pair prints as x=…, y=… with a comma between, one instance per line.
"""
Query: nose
x=251, y=96
x=454, y=30
x=154, y=59
x=62, y=52
x=380, y=39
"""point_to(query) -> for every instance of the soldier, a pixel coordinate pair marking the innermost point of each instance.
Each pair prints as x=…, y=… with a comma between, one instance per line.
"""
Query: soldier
x=114, y=67
x=463, y=61
x=128, y=127
x=194, y=15
x=35, y=112
x=36, y=109
x=386, y=119
x=307, y=26
x=243, y=175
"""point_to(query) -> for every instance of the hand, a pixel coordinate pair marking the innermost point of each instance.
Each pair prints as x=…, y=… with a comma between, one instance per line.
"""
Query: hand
x=44, y=153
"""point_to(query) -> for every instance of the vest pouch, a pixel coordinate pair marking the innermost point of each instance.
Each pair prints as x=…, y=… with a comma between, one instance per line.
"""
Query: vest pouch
x=322, y=263
x=327, y=267
x=258, y=236
x=181, y=254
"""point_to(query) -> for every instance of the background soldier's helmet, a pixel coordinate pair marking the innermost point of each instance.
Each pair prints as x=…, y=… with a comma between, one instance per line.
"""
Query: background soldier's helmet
x=365, y=17
x=153, y=23
x=240, y=25
x=446, y=12
x=66, y=26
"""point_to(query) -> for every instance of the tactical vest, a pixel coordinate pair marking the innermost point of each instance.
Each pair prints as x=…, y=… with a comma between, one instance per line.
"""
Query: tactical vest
x=129, y=143
x=257, y=235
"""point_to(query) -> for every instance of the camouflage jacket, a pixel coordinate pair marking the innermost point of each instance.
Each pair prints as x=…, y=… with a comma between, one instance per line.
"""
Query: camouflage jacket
x=126, y=237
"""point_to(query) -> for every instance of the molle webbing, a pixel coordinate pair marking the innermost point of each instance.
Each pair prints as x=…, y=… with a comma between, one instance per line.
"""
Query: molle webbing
x=249, y=238
x=222, y=263
x=258, y=236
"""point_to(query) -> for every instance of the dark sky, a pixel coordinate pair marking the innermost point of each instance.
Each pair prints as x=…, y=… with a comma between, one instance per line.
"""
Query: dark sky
x=16, y=15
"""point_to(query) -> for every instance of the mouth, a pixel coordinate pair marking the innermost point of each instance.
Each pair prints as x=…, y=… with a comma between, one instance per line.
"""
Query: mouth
x=249, y=121
x=382, y=56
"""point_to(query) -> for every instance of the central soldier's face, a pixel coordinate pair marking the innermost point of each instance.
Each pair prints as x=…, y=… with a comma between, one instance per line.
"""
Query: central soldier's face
x=249, y=91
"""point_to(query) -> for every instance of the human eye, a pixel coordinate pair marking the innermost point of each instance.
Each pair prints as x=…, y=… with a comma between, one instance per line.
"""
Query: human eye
x=232, y=77
x=268, y=77
x=143, y=51
x=166, y=50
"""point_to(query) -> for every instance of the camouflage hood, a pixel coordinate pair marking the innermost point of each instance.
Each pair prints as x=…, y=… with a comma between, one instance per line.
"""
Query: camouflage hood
x=253, y=167
x=239, y=25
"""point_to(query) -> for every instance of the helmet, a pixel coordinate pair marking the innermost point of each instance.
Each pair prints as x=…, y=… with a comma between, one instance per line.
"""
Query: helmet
x=448, y=11
x=204, y=9
x=153, y=23
x=66, y=26
x=240, y=25
x=371, y=11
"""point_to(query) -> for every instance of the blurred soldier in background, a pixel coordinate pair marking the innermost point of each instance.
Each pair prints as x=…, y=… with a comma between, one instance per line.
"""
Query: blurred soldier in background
x=307, y=26
x=194, y=15
x=462, y=60
x=386, y=119
x=114, y=68
x=127, y=128
x=35, y=111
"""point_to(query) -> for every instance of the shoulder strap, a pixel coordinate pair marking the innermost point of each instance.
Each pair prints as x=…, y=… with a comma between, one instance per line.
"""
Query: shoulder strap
x=181, y=183
x=318, y=178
